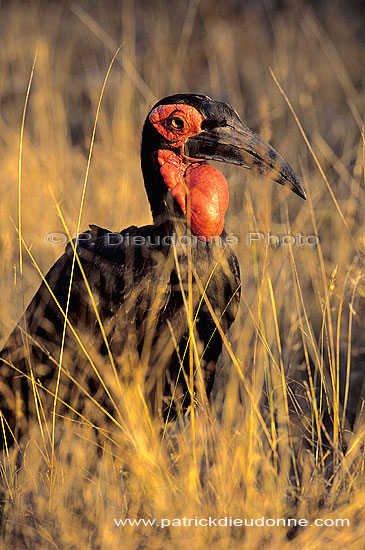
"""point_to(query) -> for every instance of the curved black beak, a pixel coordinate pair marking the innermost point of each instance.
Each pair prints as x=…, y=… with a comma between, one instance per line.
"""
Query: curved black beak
x=229, y=140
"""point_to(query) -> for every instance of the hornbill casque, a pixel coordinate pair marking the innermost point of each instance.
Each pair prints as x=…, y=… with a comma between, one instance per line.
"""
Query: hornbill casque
x=146, y=281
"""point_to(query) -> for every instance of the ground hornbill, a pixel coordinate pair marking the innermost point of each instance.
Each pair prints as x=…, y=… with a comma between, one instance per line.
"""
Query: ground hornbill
x=147, y=282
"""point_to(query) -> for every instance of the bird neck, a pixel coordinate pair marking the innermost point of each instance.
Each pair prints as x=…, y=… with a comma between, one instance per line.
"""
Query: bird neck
x=186, y=195
x=164, y=208
x=166, y=212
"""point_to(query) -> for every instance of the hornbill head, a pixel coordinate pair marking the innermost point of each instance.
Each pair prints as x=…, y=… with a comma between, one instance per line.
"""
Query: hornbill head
x=180, y=134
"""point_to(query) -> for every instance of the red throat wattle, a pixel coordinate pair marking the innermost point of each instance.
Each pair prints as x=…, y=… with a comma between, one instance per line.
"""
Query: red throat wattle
x=206, y=186
x=208, y=190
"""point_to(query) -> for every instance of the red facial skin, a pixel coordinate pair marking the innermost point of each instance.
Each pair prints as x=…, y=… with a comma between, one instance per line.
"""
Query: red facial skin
x=207, y=187
x=161, y=116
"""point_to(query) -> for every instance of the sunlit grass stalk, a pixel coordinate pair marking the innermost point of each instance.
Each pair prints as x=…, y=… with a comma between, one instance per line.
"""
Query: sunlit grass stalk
x=283, y=384
x=75, y=255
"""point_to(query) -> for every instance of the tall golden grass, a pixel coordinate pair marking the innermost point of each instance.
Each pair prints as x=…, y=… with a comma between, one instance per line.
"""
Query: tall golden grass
x=274, y=441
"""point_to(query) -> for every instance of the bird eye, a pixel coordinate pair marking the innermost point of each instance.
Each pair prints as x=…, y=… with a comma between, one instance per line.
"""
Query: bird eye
x=177, y=123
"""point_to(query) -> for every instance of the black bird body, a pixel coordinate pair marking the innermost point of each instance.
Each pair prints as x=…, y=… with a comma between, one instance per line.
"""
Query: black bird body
x=141, y=293
x=149, y=285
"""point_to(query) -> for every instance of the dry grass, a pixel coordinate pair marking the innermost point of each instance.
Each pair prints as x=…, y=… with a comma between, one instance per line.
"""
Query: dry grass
x=265, y=446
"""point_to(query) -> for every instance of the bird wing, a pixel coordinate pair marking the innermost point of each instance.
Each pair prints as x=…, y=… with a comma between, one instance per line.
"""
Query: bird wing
x=127, y=284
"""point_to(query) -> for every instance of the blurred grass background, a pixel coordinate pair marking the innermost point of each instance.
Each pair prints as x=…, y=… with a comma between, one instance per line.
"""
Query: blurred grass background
x=303, y=307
